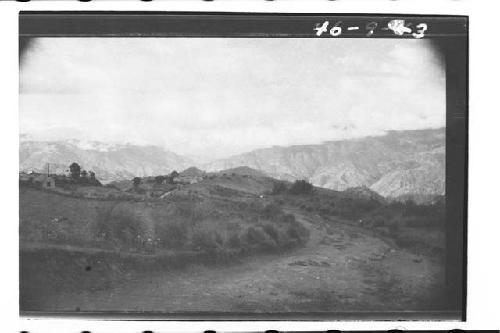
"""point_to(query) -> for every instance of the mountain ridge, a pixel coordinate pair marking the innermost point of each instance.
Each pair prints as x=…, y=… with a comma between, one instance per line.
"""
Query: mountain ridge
x=399, y=164
x=109, y=161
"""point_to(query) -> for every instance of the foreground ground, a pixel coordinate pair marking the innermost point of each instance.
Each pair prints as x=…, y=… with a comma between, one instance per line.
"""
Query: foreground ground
x=341, y=268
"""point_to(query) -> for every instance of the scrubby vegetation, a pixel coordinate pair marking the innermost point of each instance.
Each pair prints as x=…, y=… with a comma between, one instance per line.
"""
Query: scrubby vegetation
x=218, y=218
x=417, y=227
x=119, y=232
x=184, y=223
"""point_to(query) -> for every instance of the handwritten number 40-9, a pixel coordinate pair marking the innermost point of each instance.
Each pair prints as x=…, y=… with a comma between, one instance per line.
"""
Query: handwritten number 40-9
x=370, y=27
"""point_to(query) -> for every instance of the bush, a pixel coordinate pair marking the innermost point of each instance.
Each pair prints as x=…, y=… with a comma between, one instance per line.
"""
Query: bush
x=271, y=212
x=171, y=234
x=129, y=230
x=271, y=231
x=205, y=239
x=121, y=228
x=256, y=237
x=190, y=211
x=298, y=232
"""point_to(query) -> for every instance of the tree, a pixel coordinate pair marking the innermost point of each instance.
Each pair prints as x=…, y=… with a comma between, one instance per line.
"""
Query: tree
x=159, y=179
x=278, y=187
x=174, y=174
x=137, y=181
x=74, y=169
x=92, y=175
x=83, y=174
x=301, y=187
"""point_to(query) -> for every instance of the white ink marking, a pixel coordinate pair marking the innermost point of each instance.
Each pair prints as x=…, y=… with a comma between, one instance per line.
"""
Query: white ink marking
x=320, y=29
x=353, y=28
x=398, y=26
x=336, y=30
x=421, y=29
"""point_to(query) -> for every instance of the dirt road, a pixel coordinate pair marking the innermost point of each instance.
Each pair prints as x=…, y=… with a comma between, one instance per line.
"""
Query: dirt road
x=341, y=268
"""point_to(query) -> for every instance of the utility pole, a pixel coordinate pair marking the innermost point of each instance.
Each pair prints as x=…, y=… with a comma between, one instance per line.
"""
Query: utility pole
x=48, y=169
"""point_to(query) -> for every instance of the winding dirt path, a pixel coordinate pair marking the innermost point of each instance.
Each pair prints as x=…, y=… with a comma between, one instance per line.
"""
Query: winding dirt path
x=341, y=268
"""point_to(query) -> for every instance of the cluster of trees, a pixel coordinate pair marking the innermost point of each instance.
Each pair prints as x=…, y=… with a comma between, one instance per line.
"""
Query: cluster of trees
x=158, y=179
x=298, y=187
x=79, y=175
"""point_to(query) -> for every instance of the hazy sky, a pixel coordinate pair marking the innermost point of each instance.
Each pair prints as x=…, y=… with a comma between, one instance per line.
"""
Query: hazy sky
x=221, y=96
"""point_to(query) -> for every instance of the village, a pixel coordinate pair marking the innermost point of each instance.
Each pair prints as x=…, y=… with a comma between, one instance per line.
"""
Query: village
x=78, y=182
x=73, y=175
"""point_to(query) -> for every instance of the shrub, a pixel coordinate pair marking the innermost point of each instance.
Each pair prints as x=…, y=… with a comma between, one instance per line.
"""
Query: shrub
x=191, y=212
x=256, y=237
x=271, y=231
x=171, y=234
x=121, y=228
x=205, y=239
x=298, y=232
x=128, y=230
x=271, y=212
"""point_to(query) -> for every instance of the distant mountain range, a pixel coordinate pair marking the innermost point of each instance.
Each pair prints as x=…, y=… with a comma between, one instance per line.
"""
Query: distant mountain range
x=400, y=164
x=110, y=162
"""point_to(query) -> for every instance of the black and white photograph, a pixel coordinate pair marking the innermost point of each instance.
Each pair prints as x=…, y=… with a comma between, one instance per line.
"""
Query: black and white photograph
x=211, y=171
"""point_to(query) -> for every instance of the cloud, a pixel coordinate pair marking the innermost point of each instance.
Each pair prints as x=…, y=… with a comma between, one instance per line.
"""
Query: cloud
x=221, y=96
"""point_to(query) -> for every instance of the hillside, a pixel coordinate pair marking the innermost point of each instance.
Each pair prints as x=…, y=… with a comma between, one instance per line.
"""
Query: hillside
x=109, y=161
x=400, y=163
x=226, y=242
